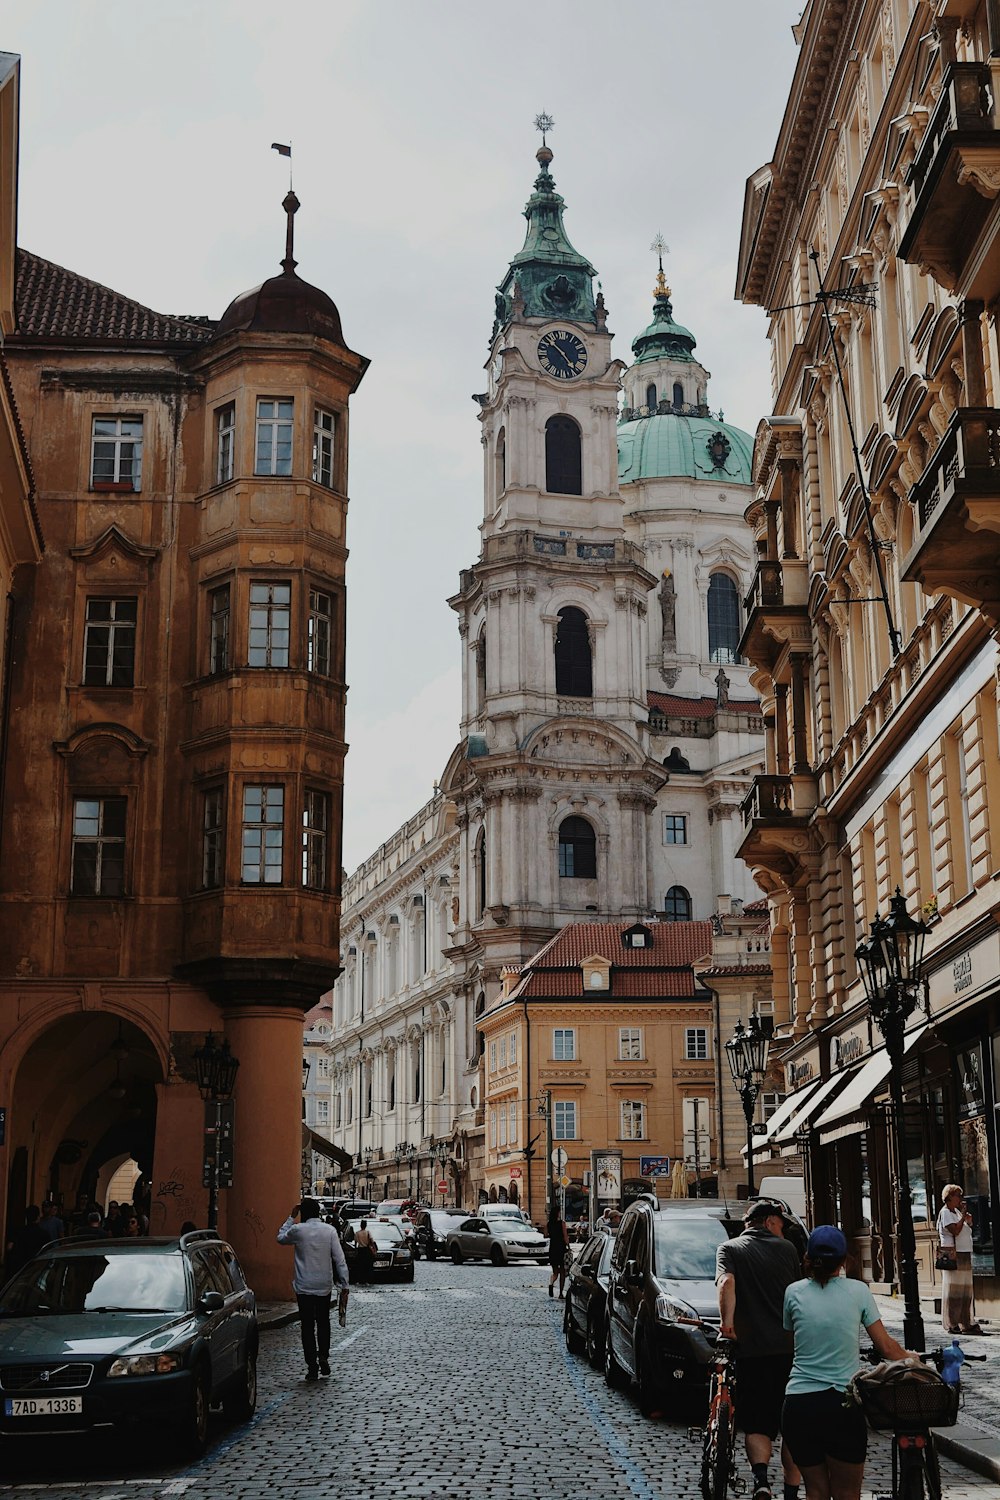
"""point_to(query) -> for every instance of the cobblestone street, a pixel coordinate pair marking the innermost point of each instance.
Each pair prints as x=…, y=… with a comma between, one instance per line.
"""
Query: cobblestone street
x=457, y=1386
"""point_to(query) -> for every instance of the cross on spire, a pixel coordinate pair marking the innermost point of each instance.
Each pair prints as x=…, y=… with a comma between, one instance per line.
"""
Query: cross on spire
x=544, y=122
x=660, y=248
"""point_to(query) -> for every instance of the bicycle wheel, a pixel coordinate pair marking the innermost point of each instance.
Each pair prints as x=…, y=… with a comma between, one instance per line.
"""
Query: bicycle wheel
x=717, y=1457
x=932, y=1472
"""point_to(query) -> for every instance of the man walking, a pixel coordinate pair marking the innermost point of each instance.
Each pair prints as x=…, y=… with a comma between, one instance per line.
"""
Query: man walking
x=318, y=1255
x=751, y=1274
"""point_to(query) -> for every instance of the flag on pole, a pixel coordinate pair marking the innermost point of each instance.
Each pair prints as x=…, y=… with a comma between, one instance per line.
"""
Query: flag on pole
x=281, y=150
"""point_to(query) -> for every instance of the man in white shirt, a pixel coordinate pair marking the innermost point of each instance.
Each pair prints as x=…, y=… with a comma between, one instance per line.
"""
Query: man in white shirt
x=318, y=1255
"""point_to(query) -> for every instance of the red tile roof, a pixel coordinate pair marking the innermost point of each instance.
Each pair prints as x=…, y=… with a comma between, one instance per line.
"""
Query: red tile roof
x=699, y=708
x=633, y=984
x=53, y=303
x=675, y=945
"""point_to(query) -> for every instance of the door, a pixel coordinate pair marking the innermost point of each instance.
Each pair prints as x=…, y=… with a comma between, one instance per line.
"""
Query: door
x=619, y=1323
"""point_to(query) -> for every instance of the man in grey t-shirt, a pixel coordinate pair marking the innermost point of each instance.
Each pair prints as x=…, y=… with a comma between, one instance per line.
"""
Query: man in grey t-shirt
x=751, y=1274
x=318, y=1254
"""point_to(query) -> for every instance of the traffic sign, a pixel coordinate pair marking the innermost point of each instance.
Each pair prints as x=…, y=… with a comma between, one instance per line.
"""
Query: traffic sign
x=515, y=1171
x=759, y=1128
x=559, y=1159
x=442, y=1186
x=565, y=1181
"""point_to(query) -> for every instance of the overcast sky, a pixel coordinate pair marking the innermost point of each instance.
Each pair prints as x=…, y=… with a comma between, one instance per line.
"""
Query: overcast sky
x=145, y=164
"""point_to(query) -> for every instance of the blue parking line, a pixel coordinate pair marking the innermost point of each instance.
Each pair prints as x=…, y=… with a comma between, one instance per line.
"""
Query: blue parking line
x=616, y=1445
x=236, y=1437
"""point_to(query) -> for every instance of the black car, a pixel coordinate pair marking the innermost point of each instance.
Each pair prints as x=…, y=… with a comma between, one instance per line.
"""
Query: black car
x=97, y=1333
x=661, y=1287
x=393, y=1257
x=432, y=1227
x=586, y=1298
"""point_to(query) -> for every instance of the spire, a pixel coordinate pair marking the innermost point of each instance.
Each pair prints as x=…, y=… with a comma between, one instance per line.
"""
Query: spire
x=663, y=336
x=553, y=278
x=291, y=206
x=659, y=246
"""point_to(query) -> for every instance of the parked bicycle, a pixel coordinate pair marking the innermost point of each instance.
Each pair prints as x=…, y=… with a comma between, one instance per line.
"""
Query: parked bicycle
x=908, y=1404
x=718, y=1449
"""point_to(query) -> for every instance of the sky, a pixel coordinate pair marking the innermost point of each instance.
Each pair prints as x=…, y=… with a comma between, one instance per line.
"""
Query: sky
x=145, y=163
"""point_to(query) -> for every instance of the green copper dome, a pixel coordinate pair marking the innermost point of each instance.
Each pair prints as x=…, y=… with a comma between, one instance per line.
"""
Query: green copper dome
x=663, y=337
x=551, y=279
x=674, y=446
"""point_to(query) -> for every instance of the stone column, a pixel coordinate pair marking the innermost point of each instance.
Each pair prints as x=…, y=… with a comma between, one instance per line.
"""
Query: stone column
x=267, y=1143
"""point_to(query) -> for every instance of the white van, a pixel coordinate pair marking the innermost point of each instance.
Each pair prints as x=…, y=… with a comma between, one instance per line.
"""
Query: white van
x=790, y=1190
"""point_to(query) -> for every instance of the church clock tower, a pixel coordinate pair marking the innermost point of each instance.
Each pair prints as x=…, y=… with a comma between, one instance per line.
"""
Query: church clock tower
x=552, y=780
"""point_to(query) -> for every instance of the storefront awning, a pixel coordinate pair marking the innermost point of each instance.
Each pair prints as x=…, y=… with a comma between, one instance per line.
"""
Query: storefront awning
x=847, y=1114
x=785, y=1139
x=785, y=1110
x=312, y=1141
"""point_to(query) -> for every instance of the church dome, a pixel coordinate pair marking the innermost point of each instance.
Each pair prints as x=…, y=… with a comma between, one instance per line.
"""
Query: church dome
x=285, y=303
x=676, y=446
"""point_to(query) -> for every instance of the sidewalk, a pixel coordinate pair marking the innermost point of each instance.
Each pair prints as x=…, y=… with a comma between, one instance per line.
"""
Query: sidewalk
x=276, y=1314
x=975, y=1441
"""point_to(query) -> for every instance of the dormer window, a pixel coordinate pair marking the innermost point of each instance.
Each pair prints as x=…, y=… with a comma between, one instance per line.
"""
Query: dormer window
x=637, y=937
x=596, y=974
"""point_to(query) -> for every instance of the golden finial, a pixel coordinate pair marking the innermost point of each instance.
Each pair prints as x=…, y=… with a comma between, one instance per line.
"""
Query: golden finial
x=660, y=248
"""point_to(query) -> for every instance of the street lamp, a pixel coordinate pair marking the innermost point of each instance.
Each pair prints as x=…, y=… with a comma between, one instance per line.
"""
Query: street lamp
x=441, y=1153
x=891, y=964
x=399, y=1153
x=216, y=1072
x=411, y=1154
x=747, y=1053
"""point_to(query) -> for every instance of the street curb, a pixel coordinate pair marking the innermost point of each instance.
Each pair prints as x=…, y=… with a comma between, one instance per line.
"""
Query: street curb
x=278, y=1320
x=974, y=1450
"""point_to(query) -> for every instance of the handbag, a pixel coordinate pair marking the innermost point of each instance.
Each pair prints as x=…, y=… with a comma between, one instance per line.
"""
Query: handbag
x=945, y=1260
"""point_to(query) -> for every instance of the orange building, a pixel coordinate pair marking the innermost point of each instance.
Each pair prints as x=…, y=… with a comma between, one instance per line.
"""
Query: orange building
x=174, y=728
x=603, y=1041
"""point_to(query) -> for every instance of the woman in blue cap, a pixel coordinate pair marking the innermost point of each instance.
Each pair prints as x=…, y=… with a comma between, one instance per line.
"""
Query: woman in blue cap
x=827, y=1437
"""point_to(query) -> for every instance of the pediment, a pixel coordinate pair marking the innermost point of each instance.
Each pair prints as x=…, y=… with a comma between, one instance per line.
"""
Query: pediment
x=585, y=743
x=114, y=554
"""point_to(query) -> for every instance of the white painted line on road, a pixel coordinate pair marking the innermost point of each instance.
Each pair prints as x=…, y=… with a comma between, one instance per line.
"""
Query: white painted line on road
x=346, y=1343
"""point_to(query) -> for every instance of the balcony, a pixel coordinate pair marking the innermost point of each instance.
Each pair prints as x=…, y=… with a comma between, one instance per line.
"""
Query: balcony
x=957, y=503
x=955, y=177
x=777, y=617
x=775, y=812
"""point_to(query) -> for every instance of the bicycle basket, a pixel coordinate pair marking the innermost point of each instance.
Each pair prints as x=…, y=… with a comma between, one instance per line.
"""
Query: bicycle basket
x=898, y=1397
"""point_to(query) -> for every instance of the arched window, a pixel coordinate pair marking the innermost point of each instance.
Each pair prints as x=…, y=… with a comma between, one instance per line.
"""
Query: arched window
x=677, y=904
x=574, y=676
x=723, y=619
x=563, y=459
x=651, y=397
x=350, y=1105
x=481, y=873
x=501, y=461
x=577, y=850
x=481, y=671
x=678, y=395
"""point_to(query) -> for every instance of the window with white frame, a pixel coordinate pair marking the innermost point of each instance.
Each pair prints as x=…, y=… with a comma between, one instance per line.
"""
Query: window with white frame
x=324, y=426
x=503, y=1125
x=116, y=453
x=225, y=443
x=323, y=1067
x=109, y=642
x=98, y=846
x=263, y=834
x=563, y=1043
x=270, y=624
x=629, y=1043
x=633, y=1113
x=675, y=828
x=513, y=1048
x=512, y=1122
x=274, y=436
x=493, y=1127
x=493, y=1057
x=315, y=839
x=695, y=1043
x=319, y=635
x=564, y=1119
x=213, y=839
x=502, y=1052
x=322, y=1111
x=769, y=1103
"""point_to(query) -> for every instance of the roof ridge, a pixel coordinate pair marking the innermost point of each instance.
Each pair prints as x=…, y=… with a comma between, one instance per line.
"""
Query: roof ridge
x=53, y=300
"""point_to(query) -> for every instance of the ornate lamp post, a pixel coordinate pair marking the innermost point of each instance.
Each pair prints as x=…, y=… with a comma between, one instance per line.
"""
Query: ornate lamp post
x=441, y=1153
x=369, y=1153
x=216, y=1070
x=410, y=1153
x=747, y=1053
x=355, y=1173
x=399, y=1153
x=891, y=964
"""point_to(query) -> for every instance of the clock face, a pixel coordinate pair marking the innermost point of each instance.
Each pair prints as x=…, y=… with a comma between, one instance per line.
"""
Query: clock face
x=561, y=354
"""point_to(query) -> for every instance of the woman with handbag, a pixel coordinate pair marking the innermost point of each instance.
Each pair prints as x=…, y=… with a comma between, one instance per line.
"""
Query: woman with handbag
x=954, y=1261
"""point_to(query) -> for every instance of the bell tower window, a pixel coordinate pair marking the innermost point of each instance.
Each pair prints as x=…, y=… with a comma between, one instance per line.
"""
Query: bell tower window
x=501, y=462
x=563, y=457
x=651, y=397
x=678, y=395
x=574, y=668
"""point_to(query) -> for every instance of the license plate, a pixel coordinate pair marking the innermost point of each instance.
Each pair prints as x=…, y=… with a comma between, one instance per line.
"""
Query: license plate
x=383, y=1260
x=43, y=1406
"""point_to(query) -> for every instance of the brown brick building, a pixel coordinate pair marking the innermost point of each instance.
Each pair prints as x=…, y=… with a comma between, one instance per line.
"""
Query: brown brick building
x=174, y=731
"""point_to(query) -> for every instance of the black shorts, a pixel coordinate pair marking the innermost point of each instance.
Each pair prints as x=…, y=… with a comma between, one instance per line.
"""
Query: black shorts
x=760, y=1392
x=818, y=1425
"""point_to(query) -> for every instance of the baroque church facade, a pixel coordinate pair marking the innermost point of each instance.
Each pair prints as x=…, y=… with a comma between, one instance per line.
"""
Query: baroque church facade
x=608, y=734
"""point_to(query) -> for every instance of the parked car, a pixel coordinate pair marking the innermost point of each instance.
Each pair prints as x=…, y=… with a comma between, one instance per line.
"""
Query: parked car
x=497, y=1212
x=393, y=1259
x=661, y=1284
x=431, y=1228
x=348, y=1210
x=394, y=1206
x=403, y=1223
x=500, y=1242
x=99, y=1332
x=586, y=1298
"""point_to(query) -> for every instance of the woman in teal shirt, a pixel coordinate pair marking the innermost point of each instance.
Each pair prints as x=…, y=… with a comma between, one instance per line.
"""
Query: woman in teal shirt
x=828, y=1437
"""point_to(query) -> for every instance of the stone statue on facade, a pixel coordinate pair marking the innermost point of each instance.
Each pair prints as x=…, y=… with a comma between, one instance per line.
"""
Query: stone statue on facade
x=668, y=616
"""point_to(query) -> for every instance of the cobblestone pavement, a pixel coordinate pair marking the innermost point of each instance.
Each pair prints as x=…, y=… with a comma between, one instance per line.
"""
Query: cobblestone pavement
x=459, y=1386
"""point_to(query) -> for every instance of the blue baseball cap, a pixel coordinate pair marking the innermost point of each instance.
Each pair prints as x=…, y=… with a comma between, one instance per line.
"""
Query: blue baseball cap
x=826, y=1242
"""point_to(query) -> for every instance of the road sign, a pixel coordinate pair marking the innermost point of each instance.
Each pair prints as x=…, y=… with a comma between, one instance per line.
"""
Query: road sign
x=759, y=1128
x=559, y=1159
x=442, y=1186
x=515, y=1171
x=565, y=1181
x=218, y=1146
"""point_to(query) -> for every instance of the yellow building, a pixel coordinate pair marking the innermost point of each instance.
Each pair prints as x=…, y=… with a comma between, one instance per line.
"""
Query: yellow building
x=604, y=1041
x=872, y=238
